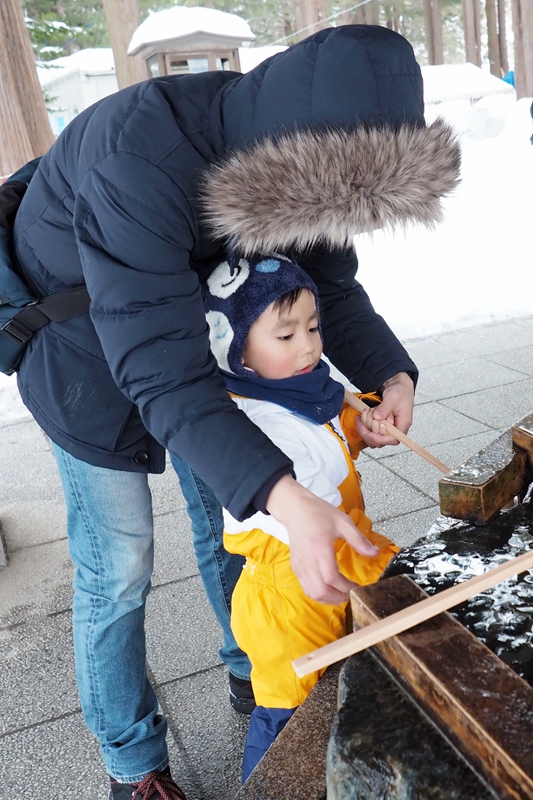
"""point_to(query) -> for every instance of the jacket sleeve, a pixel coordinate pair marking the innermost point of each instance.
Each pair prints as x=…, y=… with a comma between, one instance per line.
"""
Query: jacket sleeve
x=134, y=239
x=357, y=340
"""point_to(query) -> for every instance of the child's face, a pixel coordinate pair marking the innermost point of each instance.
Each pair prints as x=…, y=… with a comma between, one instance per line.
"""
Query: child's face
x=286, y=343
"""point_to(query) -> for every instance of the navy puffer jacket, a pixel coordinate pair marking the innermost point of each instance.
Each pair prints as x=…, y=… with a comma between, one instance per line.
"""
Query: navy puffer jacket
x=139, y=197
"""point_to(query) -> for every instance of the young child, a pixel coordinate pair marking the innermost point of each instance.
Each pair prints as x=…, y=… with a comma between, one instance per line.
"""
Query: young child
x=265, y=334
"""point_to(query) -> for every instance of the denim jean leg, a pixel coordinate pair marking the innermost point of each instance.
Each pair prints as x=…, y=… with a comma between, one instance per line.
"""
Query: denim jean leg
x=110, y=528
x=219, y=570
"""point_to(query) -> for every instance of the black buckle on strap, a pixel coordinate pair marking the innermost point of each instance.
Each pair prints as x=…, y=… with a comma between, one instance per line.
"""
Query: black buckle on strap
x=17, y=331
x=21, y=327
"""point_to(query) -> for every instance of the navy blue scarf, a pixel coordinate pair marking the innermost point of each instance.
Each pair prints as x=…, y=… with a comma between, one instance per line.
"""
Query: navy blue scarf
x=314, y=395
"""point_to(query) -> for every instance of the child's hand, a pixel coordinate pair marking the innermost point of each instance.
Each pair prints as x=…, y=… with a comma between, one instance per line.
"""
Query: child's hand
x=396, y=407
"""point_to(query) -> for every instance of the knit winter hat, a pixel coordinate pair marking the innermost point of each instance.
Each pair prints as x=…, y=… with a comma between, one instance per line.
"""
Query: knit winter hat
x=237, y=293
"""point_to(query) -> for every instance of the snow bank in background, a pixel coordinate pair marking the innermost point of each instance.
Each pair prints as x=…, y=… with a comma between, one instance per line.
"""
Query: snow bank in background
x=476, y=266
x=91, y=61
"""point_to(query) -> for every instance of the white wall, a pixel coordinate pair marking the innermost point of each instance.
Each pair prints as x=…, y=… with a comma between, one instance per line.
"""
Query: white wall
x=73, y=92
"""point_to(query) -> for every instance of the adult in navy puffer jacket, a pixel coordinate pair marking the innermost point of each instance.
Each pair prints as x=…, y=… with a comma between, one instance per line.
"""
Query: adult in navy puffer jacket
x=138, y=198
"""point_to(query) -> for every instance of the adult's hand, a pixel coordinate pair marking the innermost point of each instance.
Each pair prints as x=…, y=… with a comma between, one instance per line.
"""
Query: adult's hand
x=313, y=526
x=396, y=407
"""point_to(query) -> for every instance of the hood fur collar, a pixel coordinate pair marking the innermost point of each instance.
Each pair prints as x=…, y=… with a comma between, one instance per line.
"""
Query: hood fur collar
x=308, y=188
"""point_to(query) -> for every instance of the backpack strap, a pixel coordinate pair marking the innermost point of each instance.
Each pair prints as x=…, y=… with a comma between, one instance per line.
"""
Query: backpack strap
x=56, y=308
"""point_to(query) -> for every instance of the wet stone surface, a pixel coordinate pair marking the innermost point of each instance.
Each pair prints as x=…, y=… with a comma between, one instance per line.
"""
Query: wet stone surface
x=485, y=464
x=382, y=746
x=454, y=551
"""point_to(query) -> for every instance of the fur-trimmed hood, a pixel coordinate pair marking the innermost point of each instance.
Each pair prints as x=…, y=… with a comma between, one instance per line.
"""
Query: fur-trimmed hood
x=308, y=188
x=326, y=140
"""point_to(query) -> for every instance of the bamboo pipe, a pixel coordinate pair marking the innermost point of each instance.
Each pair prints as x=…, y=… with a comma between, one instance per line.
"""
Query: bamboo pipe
x=409, y=617
x=358, y=404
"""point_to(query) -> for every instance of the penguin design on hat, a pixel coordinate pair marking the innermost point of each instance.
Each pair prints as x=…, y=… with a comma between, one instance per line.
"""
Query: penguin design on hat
x=237, y=293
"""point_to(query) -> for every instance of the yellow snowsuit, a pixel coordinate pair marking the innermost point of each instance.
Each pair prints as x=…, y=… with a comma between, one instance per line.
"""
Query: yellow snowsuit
x=272, y=619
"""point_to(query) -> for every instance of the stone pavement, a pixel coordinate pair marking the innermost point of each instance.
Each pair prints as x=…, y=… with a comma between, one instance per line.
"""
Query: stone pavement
x=475, y=383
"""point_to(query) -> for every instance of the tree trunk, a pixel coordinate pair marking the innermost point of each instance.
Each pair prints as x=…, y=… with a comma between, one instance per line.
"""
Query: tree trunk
x=430, y=39
x=502, y=37
x=389, y=16
x=436, y=13
x=372, y=12
x=367, y=13
x=359, y=15
x=477, y=28
x=493, y=41
x=523, y=47
x=433, y=24
x=471, y=25
x=310, y=17
x=25, y=131
x=122, y=17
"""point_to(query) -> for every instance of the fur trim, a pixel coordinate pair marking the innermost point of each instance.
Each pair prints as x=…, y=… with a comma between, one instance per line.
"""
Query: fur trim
x=308, y=188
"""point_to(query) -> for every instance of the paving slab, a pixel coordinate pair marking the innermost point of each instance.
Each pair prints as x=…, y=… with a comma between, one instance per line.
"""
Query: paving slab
x=405, y=529
x=31, y=522
x=174, y=556
x=520, y=360
x=475, y=384
x=434, y=423
x=210, y=733
x=424, y=476
x=37, y=680
x=36, y=583
x=56, y=760
x=166, y=491
x=387, y=494
x=499, y=407
x=28, y=466
x=182, y=634
x=497, y=337
x=465, y=376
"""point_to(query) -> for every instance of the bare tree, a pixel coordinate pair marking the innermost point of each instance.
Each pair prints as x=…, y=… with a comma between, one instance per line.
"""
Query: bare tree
x=391, y=16
x=502, y=37
x=310, y=17
x=523, y=46
x=367, y=12
x=472, y=30
x=122, y=17
x=493, y=39
x=433, y=23
x=25, y=132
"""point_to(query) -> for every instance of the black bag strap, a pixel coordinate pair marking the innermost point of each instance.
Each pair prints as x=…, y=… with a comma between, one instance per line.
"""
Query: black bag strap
x=56, y=308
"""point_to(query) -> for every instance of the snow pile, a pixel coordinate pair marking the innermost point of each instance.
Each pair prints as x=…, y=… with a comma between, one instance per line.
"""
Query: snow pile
x=181, y=21
x=91, y=61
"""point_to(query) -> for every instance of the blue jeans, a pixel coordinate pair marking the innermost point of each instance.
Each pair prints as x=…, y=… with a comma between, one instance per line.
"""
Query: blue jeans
x=110, y=528
x=219, y=570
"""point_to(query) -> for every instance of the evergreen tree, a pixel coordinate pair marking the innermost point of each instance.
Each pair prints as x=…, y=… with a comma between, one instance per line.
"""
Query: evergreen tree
x=60, y=27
